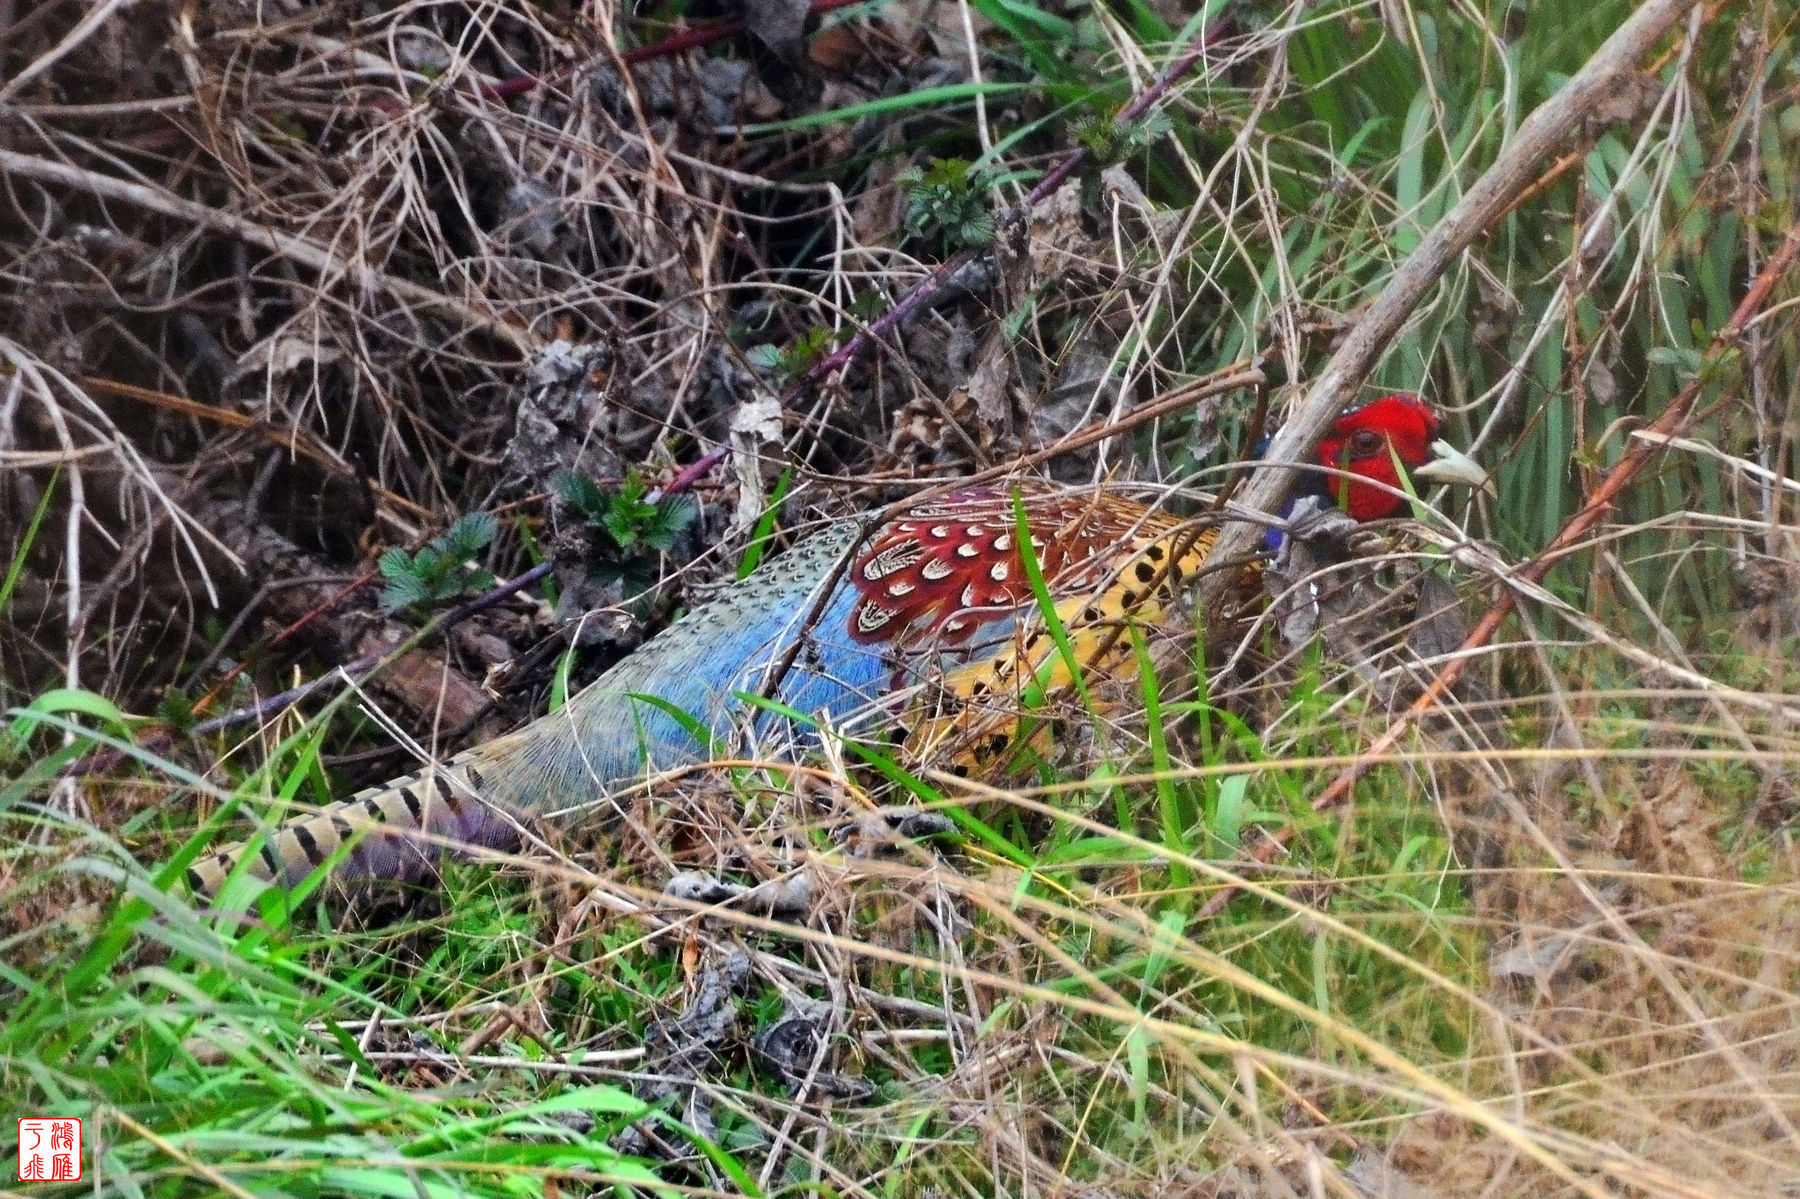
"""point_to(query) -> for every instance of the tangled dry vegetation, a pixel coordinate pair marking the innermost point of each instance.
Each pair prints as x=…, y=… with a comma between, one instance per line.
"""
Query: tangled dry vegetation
x=293, y=284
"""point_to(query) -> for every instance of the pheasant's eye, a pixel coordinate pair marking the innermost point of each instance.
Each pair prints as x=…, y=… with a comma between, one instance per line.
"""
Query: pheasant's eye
x=1366, y=443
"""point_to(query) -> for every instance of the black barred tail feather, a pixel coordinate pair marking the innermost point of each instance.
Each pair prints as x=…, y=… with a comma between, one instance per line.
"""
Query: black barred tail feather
x=396, y=831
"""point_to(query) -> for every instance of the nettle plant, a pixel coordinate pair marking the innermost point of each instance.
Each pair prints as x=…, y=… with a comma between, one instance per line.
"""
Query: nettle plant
x=441, y=570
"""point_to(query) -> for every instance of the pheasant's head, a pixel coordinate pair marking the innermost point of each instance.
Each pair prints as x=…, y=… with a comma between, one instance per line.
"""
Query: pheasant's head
x=1371, y=445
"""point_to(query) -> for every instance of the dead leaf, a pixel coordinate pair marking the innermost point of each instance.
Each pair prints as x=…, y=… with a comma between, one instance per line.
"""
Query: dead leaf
x=837, y=48
x=279, y=355
x=1056, y=235
x=778, y=24
x=756, y=426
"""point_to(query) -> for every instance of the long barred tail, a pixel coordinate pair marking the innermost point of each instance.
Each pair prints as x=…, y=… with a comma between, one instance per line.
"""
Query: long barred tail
x=396, y=830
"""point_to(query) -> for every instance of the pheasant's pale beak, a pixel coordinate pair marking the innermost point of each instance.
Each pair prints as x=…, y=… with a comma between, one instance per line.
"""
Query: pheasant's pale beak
x=1450, y=465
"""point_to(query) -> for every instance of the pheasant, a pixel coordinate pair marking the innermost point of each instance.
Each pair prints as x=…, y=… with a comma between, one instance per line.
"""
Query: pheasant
x=929, y=622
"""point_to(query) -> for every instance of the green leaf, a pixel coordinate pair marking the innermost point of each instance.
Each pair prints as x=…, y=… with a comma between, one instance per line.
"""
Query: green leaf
x=32, y=527
x=69, y=700
x=395, y=564
x=176, y=709
x=1409, y=182
x=1229, y=810
x=765, y=525
x=403, y=591
x=440, y=570
x=923, y=98
x=950, y=198
x=582, y=494
x=1046, y=604
x=471, y=534
x=764, y=356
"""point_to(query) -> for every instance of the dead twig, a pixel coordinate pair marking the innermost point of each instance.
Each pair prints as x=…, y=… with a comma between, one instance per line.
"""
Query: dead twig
x=292, y=247
x=299, y=442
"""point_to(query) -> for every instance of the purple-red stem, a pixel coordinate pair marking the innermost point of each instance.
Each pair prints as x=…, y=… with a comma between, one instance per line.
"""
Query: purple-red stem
x=687, y=39
x=717, y=31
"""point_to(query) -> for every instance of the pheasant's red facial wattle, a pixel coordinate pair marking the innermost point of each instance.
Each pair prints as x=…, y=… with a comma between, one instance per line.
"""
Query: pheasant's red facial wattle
x=1366, y=441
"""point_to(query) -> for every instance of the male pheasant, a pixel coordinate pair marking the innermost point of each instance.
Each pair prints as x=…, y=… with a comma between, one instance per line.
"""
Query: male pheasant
x=936, y=602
